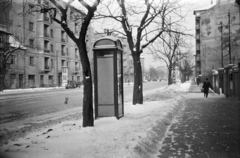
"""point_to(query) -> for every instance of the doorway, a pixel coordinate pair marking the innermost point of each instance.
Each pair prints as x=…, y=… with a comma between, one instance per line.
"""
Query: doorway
x=20, y=80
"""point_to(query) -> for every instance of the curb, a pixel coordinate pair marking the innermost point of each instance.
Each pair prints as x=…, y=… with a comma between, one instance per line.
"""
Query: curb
x=149, y=145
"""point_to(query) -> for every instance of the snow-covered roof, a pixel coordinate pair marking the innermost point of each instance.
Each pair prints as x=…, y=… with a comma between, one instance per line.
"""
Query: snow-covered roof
x=15, y=43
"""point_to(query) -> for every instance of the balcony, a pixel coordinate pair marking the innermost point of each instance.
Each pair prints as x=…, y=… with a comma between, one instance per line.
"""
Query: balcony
x=76, y=57
x=76, y=71
x=46, y=50
x=63, y=40
x=46, y=18
x=64, y=54
x=46, y=35
x=47, y=68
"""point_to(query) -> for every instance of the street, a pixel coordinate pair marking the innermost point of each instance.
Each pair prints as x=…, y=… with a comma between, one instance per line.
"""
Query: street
x=22, y=106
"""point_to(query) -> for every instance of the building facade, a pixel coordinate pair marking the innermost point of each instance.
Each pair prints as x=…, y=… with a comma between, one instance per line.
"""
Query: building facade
x=217, y=37
x=48, y=47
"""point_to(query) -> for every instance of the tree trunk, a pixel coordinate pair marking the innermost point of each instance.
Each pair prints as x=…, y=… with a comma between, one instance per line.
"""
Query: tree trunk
x=88, y=119
x=1, y=83
x=2, y=78
x=138, y=86
x=169, y=76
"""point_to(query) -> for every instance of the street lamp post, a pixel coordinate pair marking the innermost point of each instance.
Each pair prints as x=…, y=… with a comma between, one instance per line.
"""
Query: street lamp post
x=221, y=27
x=229, y=39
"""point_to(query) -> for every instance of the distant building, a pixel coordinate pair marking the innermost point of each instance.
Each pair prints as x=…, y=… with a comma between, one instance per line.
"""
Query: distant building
x=216, y=47
x=48, y=47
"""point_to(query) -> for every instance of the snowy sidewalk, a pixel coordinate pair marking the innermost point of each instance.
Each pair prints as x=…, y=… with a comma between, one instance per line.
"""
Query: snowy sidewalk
x=207, y=127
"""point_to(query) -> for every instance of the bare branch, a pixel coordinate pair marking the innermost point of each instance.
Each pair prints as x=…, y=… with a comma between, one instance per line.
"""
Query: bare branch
x=85, y=4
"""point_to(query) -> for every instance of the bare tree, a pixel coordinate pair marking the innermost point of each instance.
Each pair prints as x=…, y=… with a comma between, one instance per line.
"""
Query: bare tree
x=9, y=44
x=63, y=7
x=142, y=23
x=169, y=49
x=154, y=73
x=7, y=50
x=186, y=67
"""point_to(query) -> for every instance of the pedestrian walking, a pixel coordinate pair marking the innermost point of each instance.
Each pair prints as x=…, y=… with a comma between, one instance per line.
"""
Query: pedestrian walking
x=206, y=86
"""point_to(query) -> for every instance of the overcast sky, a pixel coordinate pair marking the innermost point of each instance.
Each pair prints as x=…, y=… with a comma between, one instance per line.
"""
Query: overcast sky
x=189, y=23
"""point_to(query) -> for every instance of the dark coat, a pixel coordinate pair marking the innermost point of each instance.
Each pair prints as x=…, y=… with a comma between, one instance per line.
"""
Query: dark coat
x=206, y=86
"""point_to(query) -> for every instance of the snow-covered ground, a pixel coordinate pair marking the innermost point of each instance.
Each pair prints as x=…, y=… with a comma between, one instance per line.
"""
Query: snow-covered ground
x=134, y=135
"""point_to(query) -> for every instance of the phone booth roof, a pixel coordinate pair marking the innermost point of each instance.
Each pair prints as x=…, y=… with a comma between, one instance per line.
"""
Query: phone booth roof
x=108, y=42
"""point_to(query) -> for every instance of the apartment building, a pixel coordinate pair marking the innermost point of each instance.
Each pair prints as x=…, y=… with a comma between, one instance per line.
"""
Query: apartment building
x=217, y=37
x=48, y=47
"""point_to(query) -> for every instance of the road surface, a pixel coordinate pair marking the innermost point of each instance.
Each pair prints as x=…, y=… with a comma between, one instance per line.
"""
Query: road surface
x=20, y=106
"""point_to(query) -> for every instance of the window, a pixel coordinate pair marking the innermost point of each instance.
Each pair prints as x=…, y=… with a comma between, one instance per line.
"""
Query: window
x=30, y=26
x=46, y=30
x=31, y=43
x=76, y=25
x=12, y=59
x=62, y=36
x=46, y=64
x=45, y=45
x=62, y=50
x=67, y=51
x=76, y=53
x=52, y=64
x=1, y=38
x=76, y=66
x=31, y=61
x=52, y=48
x=51, y=33
x=71, y=15
x=39, y=1
x=63, y=63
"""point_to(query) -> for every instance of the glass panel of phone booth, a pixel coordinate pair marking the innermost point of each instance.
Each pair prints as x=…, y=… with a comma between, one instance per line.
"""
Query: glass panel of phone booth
x=120, y=86
x=105, y=84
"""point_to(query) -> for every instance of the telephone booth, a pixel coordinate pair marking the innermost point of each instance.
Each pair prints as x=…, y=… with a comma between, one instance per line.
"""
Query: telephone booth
x=108, y=77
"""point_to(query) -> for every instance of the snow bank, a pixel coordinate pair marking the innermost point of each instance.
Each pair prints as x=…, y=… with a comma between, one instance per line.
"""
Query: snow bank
x=179, y=88
x=30, y=89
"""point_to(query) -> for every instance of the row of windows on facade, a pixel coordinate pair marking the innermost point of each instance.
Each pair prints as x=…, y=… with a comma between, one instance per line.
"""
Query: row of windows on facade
x=64, y=49
x=46, y=62
x=31, y=80
x=46, y=26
